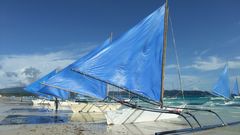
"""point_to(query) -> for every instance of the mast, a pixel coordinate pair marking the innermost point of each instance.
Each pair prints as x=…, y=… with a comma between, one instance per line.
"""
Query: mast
x=164, y=51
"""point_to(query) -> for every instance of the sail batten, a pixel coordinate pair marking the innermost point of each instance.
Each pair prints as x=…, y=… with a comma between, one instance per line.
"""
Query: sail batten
x=222, y=87
x=134, y=61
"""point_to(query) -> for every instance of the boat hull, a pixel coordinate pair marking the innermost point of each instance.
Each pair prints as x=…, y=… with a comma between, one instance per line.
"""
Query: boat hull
x=94, y=107
x=63, y=105
x=39, y=102
x=88, y=117
x=131, y=115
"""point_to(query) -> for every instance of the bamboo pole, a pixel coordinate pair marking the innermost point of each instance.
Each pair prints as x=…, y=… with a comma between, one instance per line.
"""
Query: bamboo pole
x=164, y=52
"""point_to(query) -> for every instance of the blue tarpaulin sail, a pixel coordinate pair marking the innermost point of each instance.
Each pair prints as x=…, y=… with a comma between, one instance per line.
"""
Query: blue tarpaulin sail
x=38, y=89
x=222, y=87
x=134, y=61
x=69, y=80
x=36, y=86
x=235, y=91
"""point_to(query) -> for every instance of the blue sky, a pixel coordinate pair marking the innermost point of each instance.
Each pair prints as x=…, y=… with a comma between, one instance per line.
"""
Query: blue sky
x=42, y=35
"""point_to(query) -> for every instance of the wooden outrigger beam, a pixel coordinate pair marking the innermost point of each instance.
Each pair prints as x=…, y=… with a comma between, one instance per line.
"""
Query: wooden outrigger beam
x=198, y=129
x=181, y=114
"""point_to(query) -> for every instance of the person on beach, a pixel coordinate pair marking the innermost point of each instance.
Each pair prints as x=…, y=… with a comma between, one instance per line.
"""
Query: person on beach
x=56, y=104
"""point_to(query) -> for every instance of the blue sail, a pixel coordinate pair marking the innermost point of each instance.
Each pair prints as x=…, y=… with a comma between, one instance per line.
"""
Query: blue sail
x=134, y=61
x=43, y=91
x=235, y=91
x=69, y=80
x=222, y=87
x=36, y=86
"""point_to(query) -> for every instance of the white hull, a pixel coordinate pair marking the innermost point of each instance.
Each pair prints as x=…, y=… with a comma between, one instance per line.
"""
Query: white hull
x=88, y=117
x=237, y=97
x=94, y=107
x=130, y=115
x=217, y=98
x=46, y=103
x=63, y=105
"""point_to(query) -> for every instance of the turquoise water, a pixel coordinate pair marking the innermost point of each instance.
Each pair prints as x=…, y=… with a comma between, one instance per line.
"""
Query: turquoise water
x=187, y=100
x=229, y=111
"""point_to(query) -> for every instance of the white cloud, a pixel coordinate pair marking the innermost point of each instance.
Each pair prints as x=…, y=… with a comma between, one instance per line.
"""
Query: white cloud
x=201, y=53
x=208, y=64
x=15, y=69
x=212, y=63
x=204, y=52
x=189, y=82
x=238, y=57
x=171, y=66
x=234, y=64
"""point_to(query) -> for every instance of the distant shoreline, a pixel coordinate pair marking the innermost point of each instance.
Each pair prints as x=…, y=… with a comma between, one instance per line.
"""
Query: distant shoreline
x=19, y=91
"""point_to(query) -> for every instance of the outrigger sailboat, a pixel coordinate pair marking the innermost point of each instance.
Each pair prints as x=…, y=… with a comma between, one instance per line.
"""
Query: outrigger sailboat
x=235, y=91
x=137, y=67
x=135, y=63
x=222, y=89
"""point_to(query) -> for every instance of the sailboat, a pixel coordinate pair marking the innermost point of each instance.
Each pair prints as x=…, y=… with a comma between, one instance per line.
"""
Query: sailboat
x=71, y=81
x=235, y=91
x=222, y=89
x=135, y=63
x=234, y=95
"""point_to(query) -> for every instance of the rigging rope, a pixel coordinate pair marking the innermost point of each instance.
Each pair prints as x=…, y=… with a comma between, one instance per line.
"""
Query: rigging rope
x=177, y=60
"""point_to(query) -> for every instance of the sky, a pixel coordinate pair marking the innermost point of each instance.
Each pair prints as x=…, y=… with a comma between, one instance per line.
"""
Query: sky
x=37, y=36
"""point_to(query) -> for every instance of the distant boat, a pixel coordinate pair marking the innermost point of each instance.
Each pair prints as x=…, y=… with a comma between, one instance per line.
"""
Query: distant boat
x=222, y=92
x=222, y=88
x=235, y=91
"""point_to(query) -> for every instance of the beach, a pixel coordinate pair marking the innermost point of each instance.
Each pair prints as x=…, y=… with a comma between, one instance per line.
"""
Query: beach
x=20, y=118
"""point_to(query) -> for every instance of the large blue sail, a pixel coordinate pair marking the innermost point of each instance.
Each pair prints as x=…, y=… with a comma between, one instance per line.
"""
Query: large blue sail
x=69, y=80
x=222, y=87
x=134, y=61
x=235, y=91
x=36, y=86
